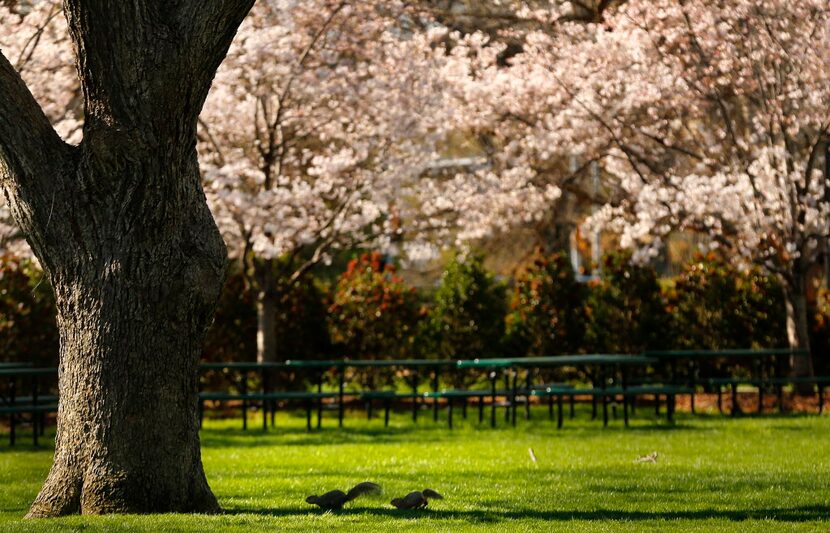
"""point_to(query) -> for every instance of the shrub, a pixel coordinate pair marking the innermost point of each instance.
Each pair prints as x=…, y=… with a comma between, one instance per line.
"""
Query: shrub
x=547, y=309
x=626, y=313
x=466, y=319
x=716, y=306
x=232, y=335
x=28, y=329
x=373, y=314
x=302, y=332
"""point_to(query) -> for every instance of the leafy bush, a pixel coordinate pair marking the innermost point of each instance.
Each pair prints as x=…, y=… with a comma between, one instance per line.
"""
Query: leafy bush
x=626, y=313
x=716, y=306
x=232, y=336
x=302, y=332
x=466, y=319
x=28, y=329
x=373, y=314
x=548, y=313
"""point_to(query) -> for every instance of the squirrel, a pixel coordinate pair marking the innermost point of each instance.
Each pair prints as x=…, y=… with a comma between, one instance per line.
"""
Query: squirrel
x=417, y=499
x=334, y=500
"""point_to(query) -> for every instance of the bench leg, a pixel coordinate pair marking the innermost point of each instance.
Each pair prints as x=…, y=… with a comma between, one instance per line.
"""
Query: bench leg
x=319, y=413
x=369, y=410
x=604, y=410
x=449, y=412
x=760, y=399
x=308, y=415
x=625, y=410
x=550, y=407
x=35, y=431
x=780, y=398
x=340, y=393
x=657, y=405
x=735, y=407
x=692, y=400
x=573, y=405
x=559, y=411
x=670, y=408
x=201, y=413
x=414, y=409
x=464, y=408
x=614, y=407
x=264, y=415
x=386, y=413
x=720, y=400
x=12, y=429
x=820, y=398
x=593, y=407
x=493, y=410
x=480, y=409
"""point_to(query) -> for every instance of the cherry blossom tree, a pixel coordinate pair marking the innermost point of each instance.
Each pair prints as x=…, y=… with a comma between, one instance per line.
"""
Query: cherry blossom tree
x=704, y=117
x=313, y=127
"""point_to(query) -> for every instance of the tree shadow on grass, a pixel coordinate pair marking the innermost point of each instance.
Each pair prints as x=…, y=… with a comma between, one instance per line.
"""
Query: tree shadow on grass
x=805, y=513
x=300, y=437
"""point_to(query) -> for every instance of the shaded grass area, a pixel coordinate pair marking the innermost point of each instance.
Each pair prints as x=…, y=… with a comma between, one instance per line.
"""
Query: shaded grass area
x=751, y=474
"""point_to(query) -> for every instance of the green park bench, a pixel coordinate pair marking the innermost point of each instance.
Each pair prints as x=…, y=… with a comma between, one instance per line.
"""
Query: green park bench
x=35, y=412
x=820, y=383
x=386, y=398
x=308, y=399
x=451, y=396
x=670, y=392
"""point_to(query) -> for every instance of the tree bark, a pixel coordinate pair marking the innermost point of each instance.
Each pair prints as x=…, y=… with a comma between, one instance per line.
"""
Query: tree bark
x=266, y=335
x=122, y=228
x=798, y=331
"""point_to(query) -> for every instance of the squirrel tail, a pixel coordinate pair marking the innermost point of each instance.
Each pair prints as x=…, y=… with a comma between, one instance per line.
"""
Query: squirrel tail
x=360, y=489
x=431, y=494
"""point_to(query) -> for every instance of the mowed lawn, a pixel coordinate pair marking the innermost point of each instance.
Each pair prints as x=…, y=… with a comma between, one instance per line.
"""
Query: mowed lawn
x=712, y=473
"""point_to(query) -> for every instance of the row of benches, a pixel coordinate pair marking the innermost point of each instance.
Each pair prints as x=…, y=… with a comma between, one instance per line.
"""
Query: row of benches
x=508, y=399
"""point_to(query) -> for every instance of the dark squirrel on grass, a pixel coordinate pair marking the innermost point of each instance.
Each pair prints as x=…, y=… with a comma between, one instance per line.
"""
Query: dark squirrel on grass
x=334, y=500
x=417, y=499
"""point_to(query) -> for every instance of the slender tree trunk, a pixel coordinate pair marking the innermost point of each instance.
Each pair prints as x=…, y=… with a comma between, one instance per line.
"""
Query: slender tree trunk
x=266, y=335
x=121, y=227
x=798, y=331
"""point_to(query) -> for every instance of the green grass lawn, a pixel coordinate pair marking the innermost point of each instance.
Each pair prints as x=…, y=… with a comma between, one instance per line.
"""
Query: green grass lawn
x=750, y=474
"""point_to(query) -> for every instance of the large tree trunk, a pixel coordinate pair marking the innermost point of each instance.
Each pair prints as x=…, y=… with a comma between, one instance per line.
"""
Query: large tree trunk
x=121, y=226
x=132, y=321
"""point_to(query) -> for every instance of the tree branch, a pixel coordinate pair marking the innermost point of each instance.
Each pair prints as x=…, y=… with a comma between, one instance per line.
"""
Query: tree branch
x=30, y=149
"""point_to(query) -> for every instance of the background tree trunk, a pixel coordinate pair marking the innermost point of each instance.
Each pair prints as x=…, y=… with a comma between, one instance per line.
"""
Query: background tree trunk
x=122, y=229
x=266, y=335
x=798, y=330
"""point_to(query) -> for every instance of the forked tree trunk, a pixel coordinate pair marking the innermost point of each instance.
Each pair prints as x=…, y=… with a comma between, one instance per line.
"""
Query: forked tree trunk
x=121, y=226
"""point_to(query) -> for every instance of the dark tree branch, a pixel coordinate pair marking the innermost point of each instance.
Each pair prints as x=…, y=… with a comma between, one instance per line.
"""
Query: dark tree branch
x=30, y=152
